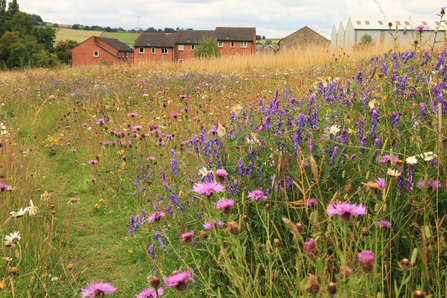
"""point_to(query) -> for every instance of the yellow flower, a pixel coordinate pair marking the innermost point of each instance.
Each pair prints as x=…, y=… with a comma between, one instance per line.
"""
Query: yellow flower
x=236, y=109
x=130, y=251
x=101, y=201
x=73, y=201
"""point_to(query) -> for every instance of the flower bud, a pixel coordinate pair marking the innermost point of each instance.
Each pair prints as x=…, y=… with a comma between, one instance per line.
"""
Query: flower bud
x=233, y=228
x=427, y=232
x=51, y=206
x=245, y=218
x=414, y=255
x=276, y=242
x=267, y=207
x=312, y=285
x=154, y=282
x=345, y=272
x=300, y=228
x=365, y=231
x=331, y=288
x=203, y=235
x=418, y=294
x=405, y=264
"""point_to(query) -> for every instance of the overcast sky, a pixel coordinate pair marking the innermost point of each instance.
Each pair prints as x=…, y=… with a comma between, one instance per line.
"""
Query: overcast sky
x=272, y=18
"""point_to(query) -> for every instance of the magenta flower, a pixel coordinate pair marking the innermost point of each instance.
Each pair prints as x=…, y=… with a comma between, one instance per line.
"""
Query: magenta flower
x=100, y=121
x=312, y=202
x=365, y=259
x=256, y=195
x=310, y=248
x=421, y=28
x=156, y=216
x=387, y=158
x=150, y=293
x=433, y=184
x=150, y=158
x=225, y=205
x=346, y=210
x=383, y=224
x=98, y=290
x=187, y=237
x=380, y=182
x=3, y=187
x=179, y=280
x=208, y=188
x=208, y=226
x=221, y=173
x=73, y=150
x=93, y=161
x=132, y=114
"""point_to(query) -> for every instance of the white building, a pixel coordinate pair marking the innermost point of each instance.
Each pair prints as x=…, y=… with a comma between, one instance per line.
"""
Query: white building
x=334, y=37
x=379, y=30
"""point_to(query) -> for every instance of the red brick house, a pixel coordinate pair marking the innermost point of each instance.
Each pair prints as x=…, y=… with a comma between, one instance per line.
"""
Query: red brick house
x=98, y=49
x=179, y=46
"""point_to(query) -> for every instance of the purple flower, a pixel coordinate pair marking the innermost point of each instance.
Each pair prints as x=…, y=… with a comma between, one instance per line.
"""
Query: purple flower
x=187, y=237
x=3, y=186
x=98, y=290
x=93, y=161
x=310, y=249
x=383, y=224
x=221, y=173
x=156, y=216
x=387, y=158
x=312, y=202
x=179, y=280
x=256, y=195
x=421, y=28
x=225, y=205
x=150, y=293
x=208, y=226
x=132, y=114
x=208, y=188
x=345, y=210
x=365, y=259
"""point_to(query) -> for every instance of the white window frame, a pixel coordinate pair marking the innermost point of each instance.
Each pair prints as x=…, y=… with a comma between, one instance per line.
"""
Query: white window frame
x=127, y=54
x=180, y=60
x=193, y=47
x=95, y=53
x=243, y=44
x=220, y=44
x=163, y=50
x=232, y=44
x=181, y=47
x=152, y=50
x=141, y=51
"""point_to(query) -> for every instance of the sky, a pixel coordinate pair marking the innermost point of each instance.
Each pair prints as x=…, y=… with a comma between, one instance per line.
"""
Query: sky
x=272, y=18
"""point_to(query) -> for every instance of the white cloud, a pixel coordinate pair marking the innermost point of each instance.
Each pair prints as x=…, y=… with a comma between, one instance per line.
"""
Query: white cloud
x=272, y=18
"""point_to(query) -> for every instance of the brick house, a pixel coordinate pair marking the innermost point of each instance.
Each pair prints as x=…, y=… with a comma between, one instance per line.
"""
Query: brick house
x=179, y=46
x=99, y=49
x=303, y=38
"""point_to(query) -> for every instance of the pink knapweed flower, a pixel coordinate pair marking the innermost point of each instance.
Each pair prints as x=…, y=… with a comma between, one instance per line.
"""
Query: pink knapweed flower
x=387, y=158
x=221, y=173
x=208, y=188
x=98, y=290
x=3, y=187
x=156, y=216
x=312, y=202
x=179, y=280
x=365, y=259
x=187, y=237
x=421, y=28
x=384, y=224
x=150, y=293
x=93, y=161
x=132, y=114
x=256, y=195
x=346, y=210
x=150, y=158
x=225, y=205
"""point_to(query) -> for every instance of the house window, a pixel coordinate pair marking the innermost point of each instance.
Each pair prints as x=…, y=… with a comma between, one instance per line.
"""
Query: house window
x=127, y=55
x=398, y=23
x=358, y=22
x=232, y=44
x=180, y=60
x=180, y=47
x=152, y=50
x=380, y=23
x=95, y=53
x=367, y=23
x=141, y=51
x=193, y=47
x=220, y=44
x=243, y=44
x=424, y=23
x=164, y=50
x=407, y=23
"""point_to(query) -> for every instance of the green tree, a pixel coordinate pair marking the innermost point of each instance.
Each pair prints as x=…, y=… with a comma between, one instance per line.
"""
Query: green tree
x=45, y=36
x=76, y=26
x=207, y=48
x=268, y=41
x=55, y=25
x=6, y=40
x=258, y=37
x=366, y=40
x=23, y=23
x=63, y=50
x=13, y=8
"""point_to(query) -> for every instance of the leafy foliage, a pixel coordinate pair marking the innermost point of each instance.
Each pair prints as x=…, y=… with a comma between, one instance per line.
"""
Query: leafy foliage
x=207, y=48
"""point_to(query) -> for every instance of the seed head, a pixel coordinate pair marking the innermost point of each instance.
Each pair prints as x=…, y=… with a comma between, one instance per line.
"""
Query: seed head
x=312, y=285
x=267, y=207
x=300, y=228
x=203, y=235
x=365, y=231
x=276, y=242
x=331, y=288
x=233, y=228
x=245, y=218
x=418, y=294
x=405, y=264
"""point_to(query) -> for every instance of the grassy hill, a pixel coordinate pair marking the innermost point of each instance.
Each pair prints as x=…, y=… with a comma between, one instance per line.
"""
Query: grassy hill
x=127, y=38
x=65, y=33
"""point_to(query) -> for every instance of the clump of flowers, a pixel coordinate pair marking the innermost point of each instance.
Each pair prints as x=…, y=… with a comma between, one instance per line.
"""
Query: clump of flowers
x=98, y=290
x=345, y=210
x=179, y=280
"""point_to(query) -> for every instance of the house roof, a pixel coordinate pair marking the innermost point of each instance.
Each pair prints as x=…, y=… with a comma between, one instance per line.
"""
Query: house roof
x=169, y=40
x=304, y=28
x=404, y=23
x=116, y=44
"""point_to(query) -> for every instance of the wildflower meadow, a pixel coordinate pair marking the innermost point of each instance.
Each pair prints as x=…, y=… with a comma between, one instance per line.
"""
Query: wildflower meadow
x=280, y=175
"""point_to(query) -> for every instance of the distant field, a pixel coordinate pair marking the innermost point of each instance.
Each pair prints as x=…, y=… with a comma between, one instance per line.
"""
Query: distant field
x=127, y=38
x=274, y=40
x=76, y=35
x=59, y=25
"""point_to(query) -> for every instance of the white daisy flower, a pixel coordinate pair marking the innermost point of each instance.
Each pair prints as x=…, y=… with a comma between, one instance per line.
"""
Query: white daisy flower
x=19, y=213
x=412, y=160
x=394, y=173
x=334, y=129
x=12, y=237
x=428, y=156
x=32, y=210
x=7, y=259
x=203, y=171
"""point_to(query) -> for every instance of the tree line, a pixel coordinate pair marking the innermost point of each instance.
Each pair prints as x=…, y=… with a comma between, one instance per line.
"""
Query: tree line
x=24, y=45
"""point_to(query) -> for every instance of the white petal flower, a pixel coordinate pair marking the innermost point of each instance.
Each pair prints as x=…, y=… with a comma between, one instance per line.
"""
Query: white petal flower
x=12, y=237
x=203, y=171
x=392, y=172
x=334, y=129
x=19, y=213
x=412, y=160
x=32, y=210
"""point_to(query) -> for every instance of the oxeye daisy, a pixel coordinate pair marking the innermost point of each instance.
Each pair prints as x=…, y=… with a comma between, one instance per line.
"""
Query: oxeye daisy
x=12, y=238
x=32, y=210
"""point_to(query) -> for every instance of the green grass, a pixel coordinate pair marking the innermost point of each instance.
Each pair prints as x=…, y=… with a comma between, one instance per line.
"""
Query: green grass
x=76, y=35
x=127, y=38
